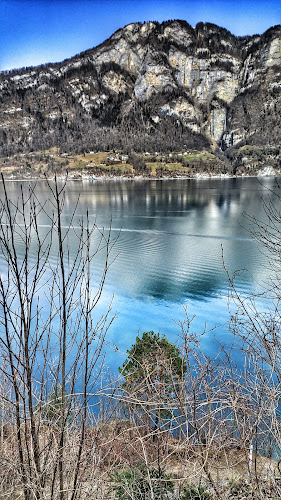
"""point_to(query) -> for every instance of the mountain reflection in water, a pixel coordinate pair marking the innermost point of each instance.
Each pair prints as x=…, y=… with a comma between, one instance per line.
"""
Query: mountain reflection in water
x=168, y=252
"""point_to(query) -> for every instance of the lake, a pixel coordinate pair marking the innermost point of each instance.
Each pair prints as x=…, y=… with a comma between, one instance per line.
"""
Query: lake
x=169, y=251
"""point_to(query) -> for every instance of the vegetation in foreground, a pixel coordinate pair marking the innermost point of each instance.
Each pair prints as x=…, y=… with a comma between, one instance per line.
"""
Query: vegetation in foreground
x=176, y=425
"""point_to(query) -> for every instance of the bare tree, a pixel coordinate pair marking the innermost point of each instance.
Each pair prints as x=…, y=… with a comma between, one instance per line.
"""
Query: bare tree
x=227, y=412
x=51, y=341
x=183, y=417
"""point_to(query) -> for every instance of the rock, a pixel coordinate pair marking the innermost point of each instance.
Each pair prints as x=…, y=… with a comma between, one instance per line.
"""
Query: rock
x=150, y=86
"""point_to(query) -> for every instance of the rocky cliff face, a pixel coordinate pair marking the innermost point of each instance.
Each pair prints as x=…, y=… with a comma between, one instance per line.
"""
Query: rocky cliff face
x=150, y=86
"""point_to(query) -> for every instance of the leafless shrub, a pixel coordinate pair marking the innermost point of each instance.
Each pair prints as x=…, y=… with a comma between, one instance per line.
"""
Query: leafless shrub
x=211, y=428
x=51, y=343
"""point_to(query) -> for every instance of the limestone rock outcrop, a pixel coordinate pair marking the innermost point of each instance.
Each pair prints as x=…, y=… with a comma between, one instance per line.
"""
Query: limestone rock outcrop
x=150, y=86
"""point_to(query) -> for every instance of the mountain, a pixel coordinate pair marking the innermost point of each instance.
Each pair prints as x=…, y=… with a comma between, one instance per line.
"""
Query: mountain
x=152, y=87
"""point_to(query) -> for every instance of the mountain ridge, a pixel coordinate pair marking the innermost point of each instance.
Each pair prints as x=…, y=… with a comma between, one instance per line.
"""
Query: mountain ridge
x=150, y=86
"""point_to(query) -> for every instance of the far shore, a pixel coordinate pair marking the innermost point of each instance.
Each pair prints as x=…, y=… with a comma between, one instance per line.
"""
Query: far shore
x=93, y=166
x=80, y=177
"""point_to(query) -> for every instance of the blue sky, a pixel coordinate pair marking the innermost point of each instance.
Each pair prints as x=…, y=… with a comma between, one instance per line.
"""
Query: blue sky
x=39, y=31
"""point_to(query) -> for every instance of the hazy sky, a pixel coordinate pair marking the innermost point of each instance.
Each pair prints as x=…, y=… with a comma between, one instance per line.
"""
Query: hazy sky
x=40, y=31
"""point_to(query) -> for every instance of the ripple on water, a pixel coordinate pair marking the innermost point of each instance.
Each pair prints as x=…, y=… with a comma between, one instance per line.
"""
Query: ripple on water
x=169, y=249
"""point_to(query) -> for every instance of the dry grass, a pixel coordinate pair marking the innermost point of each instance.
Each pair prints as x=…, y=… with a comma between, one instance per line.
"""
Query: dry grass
x=123, y=445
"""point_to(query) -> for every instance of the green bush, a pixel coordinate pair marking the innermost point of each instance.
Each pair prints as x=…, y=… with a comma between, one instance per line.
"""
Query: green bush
x=193, y=492
x=136, y=483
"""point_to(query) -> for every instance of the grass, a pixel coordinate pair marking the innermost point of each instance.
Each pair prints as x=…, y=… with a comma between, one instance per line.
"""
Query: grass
x=195, y=155
x=173, y=168
x=50, y=160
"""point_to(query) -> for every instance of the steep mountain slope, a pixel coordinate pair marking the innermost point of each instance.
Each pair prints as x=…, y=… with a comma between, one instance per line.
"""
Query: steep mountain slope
x=150, y=87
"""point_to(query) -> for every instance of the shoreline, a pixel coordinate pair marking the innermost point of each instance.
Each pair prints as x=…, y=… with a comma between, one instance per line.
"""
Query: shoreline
x=77, y=177
x=81, y=175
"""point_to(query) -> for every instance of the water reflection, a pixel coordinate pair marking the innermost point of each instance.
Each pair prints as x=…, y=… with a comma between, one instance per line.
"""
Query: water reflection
x=171, y=231
x=169, y=249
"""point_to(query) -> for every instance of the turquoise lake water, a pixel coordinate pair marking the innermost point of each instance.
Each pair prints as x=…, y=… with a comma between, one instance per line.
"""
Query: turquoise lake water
x=169, y=251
